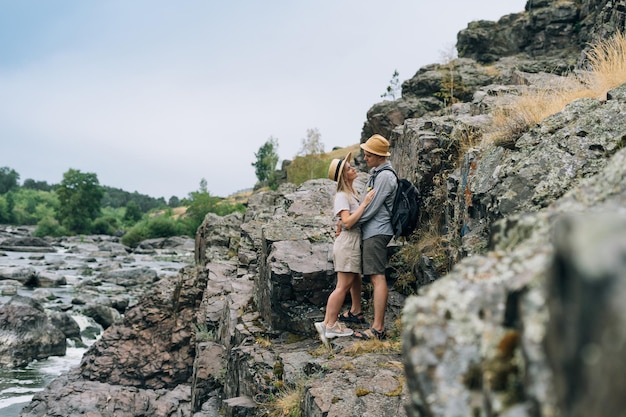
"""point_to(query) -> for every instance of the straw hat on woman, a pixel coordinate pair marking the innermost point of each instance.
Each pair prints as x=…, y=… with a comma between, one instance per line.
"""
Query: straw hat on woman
x=347, y=246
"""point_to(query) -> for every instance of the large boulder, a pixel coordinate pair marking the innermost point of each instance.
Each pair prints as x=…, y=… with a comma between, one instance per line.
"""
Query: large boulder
x=64, y=322
x=547, y=161
x=548, y=27
x=296, y=273
x=144, y=362
x=511, y=329
x=71, y=396
x=152, y=346
x=27, y=334
x=26, y=275
x=26, y=244
x=584, y=336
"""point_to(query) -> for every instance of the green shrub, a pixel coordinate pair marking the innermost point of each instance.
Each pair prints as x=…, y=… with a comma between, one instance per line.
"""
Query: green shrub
x=162, y=226
x=105, y=225
x=5, y=214
x=223, y=208
x=135, y=235
x=31, y=206
x=154, y=227
x=49, y=227
x=133, y=213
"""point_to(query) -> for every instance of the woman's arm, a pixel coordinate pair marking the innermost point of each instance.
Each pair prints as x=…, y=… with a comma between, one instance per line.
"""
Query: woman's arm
x=349, y=219
x=385, y=184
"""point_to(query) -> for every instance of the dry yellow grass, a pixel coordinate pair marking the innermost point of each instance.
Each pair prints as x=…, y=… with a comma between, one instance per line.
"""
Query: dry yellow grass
x=238, y=197
x=303, y=168
x=177, y=212
x=492, y=71
x=341, y=152
x=264, y=342
x=373, y=346
x=533, y=105
x=286, y=403
x=607, y=60
x=606, y=70
x=467, y=137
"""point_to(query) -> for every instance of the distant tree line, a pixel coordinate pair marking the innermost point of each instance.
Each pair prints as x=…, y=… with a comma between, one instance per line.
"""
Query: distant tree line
x=115, y=197
x=80, y=205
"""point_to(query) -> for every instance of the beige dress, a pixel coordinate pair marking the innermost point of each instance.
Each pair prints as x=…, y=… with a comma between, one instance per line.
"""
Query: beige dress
x=347, y=246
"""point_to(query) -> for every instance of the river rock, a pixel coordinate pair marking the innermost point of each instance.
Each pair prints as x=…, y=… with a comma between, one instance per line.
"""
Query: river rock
x=64, y=322
x=129, y=277
x=71, y=396
x=27, y=333
x=26, y=244
x=104, y=315
x=26, y=275
x=47, y=279
x=9, y=287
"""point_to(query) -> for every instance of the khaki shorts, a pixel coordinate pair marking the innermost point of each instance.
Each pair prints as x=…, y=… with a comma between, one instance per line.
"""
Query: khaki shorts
x=375, y=254
x=347, y=251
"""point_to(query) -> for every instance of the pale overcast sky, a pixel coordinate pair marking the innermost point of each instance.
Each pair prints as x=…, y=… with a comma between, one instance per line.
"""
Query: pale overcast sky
x=154, y=95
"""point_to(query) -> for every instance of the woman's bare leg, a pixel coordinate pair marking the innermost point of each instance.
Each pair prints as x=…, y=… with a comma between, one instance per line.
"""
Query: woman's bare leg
x=338, y=296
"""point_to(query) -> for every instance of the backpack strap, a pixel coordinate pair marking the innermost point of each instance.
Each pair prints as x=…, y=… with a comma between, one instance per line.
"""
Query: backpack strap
x=374, y=180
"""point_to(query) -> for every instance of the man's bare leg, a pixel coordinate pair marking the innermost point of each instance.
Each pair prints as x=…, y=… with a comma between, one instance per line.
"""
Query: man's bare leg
x=380, y=301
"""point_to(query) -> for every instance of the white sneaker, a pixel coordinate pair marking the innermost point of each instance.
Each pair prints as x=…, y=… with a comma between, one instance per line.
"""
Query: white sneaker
x=338, y=330
x=321, y=330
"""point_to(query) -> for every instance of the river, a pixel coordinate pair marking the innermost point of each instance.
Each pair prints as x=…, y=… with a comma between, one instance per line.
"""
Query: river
x=17, y=386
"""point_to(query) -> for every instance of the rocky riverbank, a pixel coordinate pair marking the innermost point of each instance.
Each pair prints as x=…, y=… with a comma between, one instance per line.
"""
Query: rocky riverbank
x=61, y=293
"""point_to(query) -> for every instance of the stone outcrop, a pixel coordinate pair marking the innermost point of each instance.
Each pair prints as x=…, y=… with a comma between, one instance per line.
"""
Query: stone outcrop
x=99, y=399
x=483, y=329
x=546, y=27
x=150, y=353
x=261, y=309
x=581, y=290
x=26, y=244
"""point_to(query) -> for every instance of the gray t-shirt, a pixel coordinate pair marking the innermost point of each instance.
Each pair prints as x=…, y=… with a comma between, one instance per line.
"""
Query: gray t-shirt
x=376, y=219
x=343, y=202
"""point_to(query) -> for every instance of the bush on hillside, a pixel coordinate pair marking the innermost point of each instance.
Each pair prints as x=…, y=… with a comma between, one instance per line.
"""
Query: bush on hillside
x=105, y=225
x=30, y=206
x=133, y=213
x=48, y=226
x=163, y=226
x=6, y=214
x=155, y=227
x=304, y=168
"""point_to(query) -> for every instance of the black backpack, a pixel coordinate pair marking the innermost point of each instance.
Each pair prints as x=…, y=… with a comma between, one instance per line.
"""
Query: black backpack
x=405, y=210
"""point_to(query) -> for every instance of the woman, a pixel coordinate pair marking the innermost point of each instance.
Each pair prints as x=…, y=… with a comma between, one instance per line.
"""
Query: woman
x=347, y=246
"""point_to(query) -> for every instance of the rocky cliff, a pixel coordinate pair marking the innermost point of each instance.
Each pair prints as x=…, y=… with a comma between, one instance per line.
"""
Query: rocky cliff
x=506, y=303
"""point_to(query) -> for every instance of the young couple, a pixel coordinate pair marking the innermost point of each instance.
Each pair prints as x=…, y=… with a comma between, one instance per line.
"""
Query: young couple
x=361, y=245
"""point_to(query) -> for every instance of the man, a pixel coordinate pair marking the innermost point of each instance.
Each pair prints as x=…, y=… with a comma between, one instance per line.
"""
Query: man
x=376, y=232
